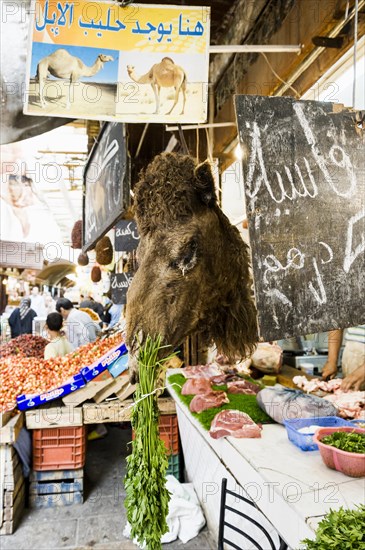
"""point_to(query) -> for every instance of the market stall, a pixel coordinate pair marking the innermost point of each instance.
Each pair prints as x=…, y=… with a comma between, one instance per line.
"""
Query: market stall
x=155, y=116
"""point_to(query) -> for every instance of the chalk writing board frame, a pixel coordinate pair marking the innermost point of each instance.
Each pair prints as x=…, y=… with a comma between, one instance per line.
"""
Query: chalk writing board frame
x=119, y=284
x=107, y=180
x=126, y=236
x=304, y=179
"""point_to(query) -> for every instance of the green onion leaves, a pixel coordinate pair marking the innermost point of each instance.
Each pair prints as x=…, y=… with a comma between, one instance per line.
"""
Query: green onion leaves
x=147, y=499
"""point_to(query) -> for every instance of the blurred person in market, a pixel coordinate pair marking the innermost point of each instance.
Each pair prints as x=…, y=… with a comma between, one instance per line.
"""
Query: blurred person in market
x=106, y=311
x=59, y=345
x=80, y=328
x=37, y=302
x=115, y=312
x=49, y=303
x=21, y=319
x=353, y=358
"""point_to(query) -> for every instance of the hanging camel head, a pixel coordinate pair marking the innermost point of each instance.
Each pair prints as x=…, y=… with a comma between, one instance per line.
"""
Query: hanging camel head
x=193, y=273
x=105, y=58
x=130, y=69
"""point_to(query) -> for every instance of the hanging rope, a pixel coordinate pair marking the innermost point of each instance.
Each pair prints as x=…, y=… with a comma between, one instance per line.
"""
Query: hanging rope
x=297, y=95
x=355, y=53
x=209, y=149
x=197, y=145
x=182, y=139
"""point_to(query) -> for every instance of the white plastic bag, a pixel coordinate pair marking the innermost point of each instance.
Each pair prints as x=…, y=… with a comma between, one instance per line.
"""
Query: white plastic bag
x=185, y=518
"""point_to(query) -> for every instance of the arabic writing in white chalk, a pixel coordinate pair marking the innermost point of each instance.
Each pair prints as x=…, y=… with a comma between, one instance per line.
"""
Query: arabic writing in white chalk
x=351, y=252
x=302, y=182
x=296, y=261
x=121, y=281
x=128, y=230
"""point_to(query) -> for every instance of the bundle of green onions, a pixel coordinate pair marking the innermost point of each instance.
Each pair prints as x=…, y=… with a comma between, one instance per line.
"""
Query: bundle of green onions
x=147, y=498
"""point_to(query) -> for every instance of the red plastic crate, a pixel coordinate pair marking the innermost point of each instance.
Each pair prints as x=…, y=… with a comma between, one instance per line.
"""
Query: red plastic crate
x=169, y=433
x=59, y=448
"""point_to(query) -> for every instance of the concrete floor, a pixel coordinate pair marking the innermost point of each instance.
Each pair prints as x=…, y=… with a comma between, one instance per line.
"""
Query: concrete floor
x=98, y=523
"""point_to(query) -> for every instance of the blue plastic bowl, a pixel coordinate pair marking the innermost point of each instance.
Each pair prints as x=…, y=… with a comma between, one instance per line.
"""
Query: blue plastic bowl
x=305, y=441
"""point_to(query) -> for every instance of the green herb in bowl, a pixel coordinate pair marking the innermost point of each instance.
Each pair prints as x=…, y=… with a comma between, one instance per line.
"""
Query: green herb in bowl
x=350, y=442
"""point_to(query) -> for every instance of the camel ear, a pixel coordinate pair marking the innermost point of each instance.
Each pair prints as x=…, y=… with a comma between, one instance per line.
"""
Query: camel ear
x=204, y=184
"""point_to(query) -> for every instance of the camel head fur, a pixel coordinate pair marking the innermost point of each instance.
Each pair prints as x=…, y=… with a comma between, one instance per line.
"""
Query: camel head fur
x=193, y=274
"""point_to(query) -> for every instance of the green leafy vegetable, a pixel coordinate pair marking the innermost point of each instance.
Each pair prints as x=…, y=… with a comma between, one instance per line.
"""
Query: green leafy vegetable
x=240, y=402
x=343, y=529
x=147, y=498
x=351, y=442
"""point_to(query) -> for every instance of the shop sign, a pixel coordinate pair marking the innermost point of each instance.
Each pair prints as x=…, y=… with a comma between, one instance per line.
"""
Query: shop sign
x=106, y=183
x=303, y=172
x=126, y=236
x=119, y=284
x=105, y=61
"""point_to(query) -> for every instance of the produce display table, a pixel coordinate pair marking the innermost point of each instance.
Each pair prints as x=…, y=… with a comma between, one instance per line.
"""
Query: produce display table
x=293, y=488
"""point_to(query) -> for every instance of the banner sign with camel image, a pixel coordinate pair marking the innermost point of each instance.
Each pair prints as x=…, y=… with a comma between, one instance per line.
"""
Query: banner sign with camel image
x=105, y=61
x=303, y=173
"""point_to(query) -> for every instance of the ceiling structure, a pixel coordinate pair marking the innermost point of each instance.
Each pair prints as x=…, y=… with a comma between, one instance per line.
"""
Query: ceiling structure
x=264, y=22
x=238, y=22
x=309, y=23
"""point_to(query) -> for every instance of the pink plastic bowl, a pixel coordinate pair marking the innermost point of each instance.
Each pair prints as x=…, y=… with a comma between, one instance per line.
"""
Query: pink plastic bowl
x=350, y=464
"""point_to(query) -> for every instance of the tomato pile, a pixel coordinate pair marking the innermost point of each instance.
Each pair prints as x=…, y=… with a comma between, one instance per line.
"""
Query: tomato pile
x=19, y=374
x=25, y=345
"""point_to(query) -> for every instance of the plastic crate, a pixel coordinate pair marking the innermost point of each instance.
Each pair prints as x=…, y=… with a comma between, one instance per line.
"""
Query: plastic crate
x=305, y=441
x=174, y=466
x=358, y=423
x=59, y=448
x=169, y=433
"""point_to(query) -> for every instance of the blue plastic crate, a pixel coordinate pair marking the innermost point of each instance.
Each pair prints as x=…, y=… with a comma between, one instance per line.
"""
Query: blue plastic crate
x=305, y=441
x=358, y=422
x=174, y=466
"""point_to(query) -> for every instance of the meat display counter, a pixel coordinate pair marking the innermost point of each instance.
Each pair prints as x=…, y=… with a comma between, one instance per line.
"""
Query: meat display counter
x=291, y=488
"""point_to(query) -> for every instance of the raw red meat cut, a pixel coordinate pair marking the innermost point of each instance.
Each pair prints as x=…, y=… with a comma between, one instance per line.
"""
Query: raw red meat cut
x=209, y=400
x=234, y=423
x=243, y=386
x=201, y=371
x=194, y=386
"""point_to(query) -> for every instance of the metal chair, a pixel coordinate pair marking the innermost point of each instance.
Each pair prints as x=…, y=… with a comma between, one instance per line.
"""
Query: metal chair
x=223, y=523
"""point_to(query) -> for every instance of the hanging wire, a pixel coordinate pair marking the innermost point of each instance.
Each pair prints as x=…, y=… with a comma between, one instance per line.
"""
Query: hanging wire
x=347, y=9
x=209, y=148
x=355, y=53
x=182, y=139
x=197, y=145
x=279, y=77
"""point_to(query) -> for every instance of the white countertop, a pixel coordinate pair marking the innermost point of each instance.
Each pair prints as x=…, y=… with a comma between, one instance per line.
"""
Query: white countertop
x=280, y=477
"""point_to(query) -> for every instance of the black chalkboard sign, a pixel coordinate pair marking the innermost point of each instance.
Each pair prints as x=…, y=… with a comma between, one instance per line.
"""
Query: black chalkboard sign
x=119, y=284
x=303, y=172
x=126, y=236
x=106, y=183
